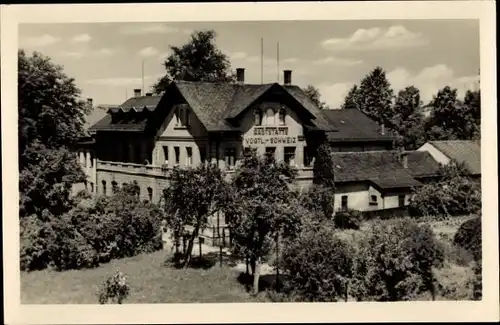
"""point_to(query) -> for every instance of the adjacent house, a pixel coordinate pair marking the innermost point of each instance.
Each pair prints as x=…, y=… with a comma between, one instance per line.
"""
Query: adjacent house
x=372, y=180
x=467, y=152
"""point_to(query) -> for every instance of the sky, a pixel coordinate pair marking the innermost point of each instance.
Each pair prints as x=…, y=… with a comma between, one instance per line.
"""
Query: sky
x=106, y=58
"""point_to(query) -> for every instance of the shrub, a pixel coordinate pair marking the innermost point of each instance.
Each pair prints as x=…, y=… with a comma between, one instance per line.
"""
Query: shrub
x=71, y=250
x=468, y=236
x=317, y=264
x=394, y=261
x=453, y=195
x=347, y=219
x=454, y=282
x=319, y=200
x=114, y=289
x=36, y=240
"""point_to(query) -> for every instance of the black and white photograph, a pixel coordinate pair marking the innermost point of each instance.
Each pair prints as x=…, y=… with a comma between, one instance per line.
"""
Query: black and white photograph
x=251, y=162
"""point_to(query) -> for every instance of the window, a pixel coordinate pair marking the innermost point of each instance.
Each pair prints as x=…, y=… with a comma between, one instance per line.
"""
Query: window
x=91, y=162
x=230, y=156
x=189, y=156
x=165, y=155
x=114, y=187
x=344, y=204
x=203, y=154
x=282, y=116
x=289, y=155
x=270, y=151
x=373, y=200
x=401, y=200
x=150, y=194
x=183, y=116
x=270, y=117
x=258, y=117
x=307, y=157
x=104, y=187
x=177, y=155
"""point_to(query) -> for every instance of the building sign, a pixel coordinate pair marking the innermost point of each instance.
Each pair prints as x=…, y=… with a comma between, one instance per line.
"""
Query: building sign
x=270, y=135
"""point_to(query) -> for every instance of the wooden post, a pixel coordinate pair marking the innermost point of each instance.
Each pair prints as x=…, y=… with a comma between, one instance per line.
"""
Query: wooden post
x=184, y=244
x=220, y=255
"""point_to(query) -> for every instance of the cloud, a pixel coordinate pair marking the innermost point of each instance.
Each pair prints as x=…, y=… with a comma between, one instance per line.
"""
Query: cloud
x=290, y=60
x=430, y=80
x=99, y=53
x=149, y=52
x=81, y=38
x=72, y=54
x=331, y=60
x=377, y=38
x=151, y=28
x=334, y=94
x=121, y=81
x=40, y=41
x=237, y=55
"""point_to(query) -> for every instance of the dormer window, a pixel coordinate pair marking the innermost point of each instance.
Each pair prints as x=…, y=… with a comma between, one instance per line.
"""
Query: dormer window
x=282, y=116
x=270, y=118
x=258, y=117
x=183, y=116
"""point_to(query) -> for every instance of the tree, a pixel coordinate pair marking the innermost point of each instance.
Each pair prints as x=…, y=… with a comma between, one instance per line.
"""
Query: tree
x=472, y=105
x=50, y=109
x=51, y=119
x=314, y=95
x=352, y=99
x=375, y=96
x=324, y=179
x=407, y=121
x=262, y=208
x=447, y=120
x=193, y=195
x=197, y=60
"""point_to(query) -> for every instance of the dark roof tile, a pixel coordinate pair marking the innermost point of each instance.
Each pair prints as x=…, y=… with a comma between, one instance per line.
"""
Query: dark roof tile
x=462, y=151
x=379, y=167
x=422, y=164
x=352, y=124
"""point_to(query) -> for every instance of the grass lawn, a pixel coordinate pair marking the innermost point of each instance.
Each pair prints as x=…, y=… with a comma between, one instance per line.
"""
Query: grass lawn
x=150, y=282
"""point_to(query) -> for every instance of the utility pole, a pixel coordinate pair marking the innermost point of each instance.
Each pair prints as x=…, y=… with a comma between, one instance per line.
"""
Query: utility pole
x=142, y=77
x=262, y=60
x=278, y=62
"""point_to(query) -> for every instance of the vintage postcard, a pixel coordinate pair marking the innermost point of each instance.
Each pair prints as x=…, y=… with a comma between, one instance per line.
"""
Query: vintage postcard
x=256, y=162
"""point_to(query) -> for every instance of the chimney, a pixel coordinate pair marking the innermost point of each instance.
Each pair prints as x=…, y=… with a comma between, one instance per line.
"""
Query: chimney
x=240, y=76
x=149, y=94
x=382, y=129
x=137, y=92
x=404, y=159
x=287, y=77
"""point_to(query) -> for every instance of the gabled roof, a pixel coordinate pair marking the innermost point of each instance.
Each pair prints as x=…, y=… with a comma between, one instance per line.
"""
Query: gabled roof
x=381, y=168
x=462, y=151
x=354, y=125
x=213, y=104
x=138, y=104
x=422, y=164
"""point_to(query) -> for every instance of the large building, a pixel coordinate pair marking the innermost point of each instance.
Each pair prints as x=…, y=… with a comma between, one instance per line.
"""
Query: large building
x=193, y=122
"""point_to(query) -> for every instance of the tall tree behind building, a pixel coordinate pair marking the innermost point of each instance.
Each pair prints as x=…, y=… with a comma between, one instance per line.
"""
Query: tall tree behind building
x=352, y=99
x=197, y=60
x=314, y=95
x=375, y=96
x=407, y=120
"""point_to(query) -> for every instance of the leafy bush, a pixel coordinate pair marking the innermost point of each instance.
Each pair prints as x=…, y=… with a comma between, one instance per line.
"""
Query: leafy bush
x=36, y=241
x=394, y=261
x=454, y=282
x=348, y=219
x=105, y=229
x=114, y=289
x=317, y=264
x=468, y=236
x=454, y=194
x=71, y=250
x=319, y=200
